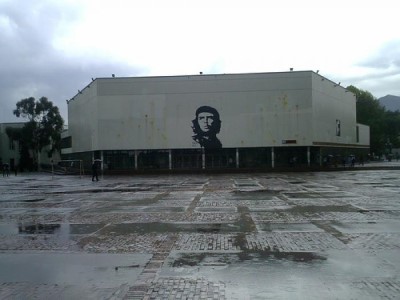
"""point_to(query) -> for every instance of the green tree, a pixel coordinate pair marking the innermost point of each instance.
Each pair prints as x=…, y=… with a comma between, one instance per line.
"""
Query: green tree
x=371, y=113
x=44, y=125
x=392, y=129
x=17, y=134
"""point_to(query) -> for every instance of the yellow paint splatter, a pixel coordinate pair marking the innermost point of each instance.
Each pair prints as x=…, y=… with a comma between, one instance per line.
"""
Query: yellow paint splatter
x=285, y=101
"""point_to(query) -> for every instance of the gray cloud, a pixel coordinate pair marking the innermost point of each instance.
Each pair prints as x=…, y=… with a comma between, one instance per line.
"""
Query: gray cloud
x=31, y=66
x=388, y=56
x=383, y=76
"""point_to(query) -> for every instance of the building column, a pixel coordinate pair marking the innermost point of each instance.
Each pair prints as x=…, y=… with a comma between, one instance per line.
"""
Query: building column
x=38, y=160
x=320, y=157
x=203, y=158
x=102, y=163
x=272, y=157
x=237, y=157
x=308, y=156
x=170, y=159
x=136, y=157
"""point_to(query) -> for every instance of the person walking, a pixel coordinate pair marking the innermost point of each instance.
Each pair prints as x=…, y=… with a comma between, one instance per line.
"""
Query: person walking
x=94, y=171
x=6, y=170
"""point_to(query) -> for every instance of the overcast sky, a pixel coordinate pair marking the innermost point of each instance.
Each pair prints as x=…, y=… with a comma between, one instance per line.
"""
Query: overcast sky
x=53, y=48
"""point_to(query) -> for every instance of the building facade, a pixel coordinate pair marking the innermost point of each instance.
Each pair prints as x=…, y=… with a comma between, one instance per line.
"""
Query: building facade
x=256, y=120
x=11, y=151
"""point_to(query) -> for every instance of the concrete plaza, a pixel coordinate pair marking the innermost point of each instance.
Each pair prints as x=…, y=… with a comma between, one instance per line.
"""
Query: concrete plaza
x=305, y=235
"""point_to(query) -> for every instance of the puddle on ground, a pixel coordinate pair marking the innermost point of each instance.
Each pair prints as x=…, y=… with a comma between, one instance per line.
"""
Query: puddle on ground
x=197, y=182
x=141, y=228
x=386, y=226
x=84, y=228
x=36, y=211
x=119, y=229
x=311, y=209
x=216, y=209
x=320, y=194
x=72, y=268
x=8, y=229
x=39, y=229
x=253, y=195
x=31, y=200
x=378, y=207
x=292, y=256
x=134, y=208
x=246, y=185
x=215, y=260
x=61, y=229
x=288, y=227
x=97, y=191
x=176, y=185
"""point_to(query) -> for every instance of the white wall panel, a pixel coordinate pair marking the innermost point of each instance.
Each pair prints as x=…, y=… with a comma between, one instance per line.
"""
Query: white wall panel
x=364, y=134
x=332, y=104
x=256, y=110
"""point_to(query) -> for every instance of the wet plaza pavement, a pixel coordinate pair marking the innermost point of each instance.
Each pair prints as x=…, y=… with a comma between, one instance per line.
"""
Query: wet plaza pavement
x=309, y=235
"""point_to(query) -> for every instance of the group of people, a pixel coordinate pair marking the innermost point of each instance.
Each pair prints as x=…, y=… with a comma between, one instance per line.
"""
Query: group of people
x=6, y=170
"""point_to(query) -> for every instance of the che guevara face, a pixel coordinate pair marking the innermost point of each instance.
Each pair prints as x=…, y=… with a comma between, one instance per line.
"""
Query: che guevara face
x=205, y=120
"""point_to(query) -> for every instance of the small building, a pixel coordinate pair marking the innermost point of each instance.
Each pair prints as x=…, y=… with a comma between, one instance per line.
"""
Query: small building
x=11, y=154
x=9, y=148
x=228, y=121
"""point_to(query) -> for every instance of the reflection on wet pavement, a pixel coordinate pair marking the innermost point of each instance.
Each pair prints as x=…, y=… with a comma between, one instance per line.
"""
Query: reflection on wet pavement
x=38, y=229
x=332, y=235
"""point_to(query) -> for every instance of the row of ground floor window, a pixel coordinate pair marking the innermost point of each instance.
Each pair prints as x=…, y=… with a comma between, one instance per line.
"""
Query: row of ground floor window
x=226, y=158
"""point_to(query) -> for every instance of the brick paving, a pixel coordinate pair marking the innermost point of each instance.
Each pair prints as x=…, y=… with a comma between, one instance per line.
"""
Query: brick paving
x=385, y=289
x=217, y=223
x=206, y=243
x=293, y=242
x=181, y=288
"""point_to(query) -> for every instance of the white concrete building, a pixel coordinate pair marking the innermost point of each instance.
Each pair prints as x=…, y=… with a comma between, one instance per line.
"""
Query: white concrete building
x=264, y=120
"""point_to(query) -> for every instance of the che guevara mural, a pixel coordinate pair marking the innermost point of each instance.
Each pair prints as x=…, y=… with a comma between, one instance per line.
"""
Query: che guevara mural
x=206, y=125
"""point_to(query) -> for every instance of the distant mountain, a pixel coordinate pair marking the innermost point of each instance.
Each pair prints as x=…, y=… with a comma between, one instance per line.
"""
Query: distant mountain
x=390, y=102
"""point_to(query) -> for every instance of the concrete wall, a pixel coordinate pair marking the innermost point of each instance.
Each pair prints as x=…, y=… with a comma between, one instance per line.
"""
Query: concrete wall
x=334, y=110
x=363, y=134
x=83, y=119
x=256, y=110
